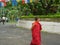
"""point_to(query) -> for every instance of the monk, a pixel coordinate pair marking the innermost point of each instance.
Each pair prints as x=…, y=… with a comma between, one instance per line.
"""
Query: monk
x=36, y=32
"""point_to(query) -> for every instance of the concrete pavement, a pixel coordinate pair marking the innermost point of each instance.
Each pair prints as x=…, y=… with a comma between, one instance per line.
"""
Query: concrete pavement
x=12, y=35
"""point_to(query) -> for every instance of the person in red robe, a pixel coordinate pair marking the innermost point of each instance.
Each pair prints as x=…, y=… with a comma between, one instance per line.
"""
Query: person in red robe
x=36, y=32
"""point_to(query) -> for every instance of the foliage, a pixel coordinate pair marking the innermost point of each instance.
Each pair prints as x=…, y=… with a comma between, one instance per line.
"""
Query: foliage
x=41, y=7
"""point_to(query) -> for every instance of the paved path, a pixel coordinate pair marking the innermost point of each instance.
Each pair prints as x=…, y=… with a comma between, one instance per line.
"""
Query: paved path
x=11, y=35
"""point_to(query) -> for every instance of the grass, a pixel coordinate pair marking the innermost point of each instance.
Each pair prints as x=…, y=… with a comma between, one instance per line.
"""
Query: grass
x=12, y=21
x=42, y=16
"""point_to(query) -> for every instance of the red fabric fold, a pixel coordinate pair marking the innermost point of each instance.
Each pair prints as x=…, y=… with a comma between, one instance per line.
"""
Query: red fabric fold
x=36, y=34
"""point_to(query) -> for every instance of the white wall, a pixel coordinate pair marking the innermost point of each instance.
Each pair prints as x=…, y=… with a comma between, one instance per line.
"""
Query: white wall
x=52, y=27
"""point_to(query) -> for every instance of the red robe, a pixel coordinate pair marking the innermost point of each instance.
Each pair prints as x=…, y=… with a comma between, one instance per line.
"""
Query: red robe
x=36, y=34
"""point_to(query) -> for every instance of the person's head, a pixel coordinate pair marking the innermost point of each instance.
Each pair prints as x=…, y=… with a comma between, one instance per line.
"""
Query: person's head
x=37, y=19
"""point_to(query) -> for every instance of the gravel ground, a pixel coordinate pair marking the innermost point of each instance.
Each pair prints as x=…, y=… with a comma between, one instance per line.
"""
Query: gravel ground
x=11, y=35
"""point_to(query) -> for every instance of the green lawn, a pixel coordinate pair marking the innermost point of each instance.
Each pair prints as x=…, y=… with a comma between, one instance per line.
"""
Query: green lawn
x=42, y=16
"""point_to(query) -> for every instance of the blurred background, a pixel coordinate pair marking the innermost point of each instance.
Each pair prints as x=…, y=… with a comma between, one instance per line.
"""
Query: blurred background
x=16, y=8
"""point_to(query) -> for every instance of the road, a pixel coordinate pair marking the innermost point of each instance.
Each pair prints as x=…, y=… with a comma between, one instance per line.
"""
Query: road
x=12, y=35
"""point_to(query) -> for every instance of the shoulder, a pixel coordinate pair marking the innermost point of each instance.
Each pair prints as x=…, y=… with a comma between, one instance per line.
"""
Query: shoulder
x=34, y=23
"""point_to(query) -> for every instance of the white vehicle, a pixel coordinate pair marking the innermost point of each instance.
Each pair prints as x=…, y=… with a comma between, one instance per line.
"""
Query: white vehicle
x=5, y=19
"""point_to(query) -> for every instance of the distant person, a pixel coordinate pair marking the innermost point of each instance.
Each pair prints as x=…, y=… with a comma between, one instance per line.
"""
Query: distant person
x=36, y=32
x=0, y=19
x=3, y=19
x=17, y=19
x=6, y=19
